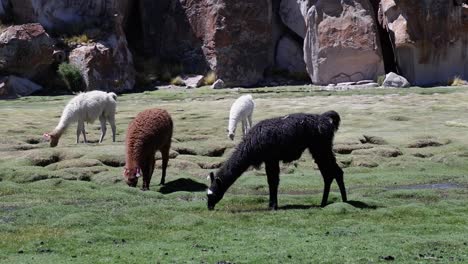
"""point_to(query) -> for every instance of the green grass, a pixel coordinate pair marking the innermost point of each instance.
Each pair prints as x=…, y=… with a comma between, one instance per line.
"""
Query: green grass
x=69, y=204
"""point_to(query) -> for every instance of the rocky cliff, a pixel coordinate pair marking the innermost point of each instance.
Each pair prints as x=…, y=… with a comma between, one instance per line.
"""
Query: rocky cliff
x=243, y=42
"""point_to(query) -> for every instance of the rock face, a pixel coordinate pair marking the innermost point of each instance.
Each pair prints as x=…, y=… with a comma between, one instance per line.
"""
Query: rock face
x=430, y=38
x=394, y=80
x=293, y=13
x=106, y=65
x=341, y=42
x=14, y=87
x=64, y=16
x=289, y=56
x=232, y=38
x=25, y=50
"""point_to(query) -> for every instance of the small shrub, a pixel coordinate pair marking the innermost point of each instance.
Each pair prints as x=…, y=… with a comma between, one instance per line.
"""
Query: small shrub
x=83, y=38
x=177, y=81
x=380, y=79
x=71, y=75
x=210, y=78
x=458, y=81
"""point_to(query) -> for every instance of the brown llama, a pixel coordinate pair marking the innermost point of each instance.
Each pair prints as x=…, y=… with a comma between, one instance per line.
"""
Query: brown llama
x=150, y=131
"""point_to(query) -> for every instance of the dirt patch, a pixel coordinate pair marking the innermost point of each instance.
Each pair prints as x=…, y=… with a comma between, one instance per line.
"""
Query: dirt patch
x=191, y=138
x=44, y=159
x=362, y=162
x=178, y=163
x=382, y=152
x=185, y=151
x=216, y=152
x=74, y=163
x=433, y=186
x=348, y=149
x=373, y=140
x=423, y=155
x=399, y=118
x=33, y=141
x=210, y=165
x=428, y=142
x=24, y=147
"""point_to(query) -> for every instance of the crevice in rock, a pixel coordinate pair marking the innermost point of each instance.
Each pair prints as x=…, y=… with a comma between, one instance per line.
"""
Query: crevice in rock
x=388, y=54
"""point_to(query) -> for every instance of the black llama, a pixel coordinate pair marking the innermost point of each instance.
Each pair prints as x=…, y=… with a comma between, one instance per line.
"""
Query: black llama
x=282, y=139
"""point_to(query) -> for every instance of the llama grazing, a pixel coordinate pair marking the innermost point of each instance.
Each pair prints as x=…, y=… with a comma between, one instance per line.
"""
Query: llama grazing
x=86, y=107
x=282, y=139
x=150, y=131
x=241, y=110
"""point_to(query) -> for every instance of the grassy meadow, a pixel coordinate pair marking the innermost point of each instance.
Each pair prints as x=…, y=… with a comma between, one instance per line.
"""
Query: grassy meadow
x=404, y=153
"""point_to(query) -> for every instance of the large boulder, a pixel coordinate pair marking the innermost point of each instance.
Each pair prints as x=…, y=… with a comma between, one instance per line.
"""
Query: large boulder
x=394, y=80
x=289, y=56
x=232, y=38
x=26, y=50
x=106, y=65
x=14, y=87
x=67, y=16
x=341, y=42
x=430, y=38
x=293, y=13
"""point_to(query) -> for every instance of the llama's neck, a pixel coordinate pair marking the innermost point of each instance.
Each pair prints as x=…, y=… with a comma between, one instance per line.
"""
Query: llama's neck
x=59, y=129
x=237, y=164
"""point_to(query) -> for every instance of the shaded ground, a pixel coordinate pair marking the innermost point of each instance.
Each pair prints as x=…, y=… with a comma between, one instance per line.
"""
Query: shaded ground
x=405, y=166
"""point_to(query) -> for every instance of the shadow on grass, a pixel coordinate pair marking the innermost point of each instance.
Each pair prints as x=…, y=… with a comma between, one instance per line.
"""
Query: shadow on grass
x=362, y=205
x=183, y=185
x=297, y=207
x=357, y=204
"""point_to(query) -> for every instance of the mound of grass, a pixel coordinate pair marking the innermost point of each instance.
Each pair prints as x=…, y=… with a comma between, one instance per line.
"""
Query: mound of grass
x=209, y=78
x=178, y=81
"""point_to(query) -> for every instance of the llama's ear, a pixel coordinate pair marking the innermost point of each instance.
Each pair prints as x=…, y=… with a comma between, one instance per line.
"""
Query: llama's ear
x=211, y=177
x=46, y=136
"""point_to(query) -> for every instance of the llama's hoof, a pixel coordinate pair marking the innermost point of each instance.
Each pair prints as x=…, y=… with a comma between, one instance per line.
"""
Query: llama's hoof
x=145, y=189
x=273, y=207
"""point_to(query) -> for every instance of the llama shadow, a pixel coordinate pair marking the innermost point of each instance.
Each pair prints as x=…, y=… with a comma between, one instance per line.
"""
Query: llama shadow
x=357, y=204
x=362, y=205
x=297, y=207
x=183, y=185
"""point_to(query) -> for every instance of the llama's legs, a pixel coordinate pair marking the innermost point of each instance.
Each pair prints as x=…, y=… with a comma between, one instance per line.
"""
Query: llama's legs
x=147, y=172
x=244, y=126
x=112, y=124
x=340, y=182
x=78, y=132
x=102, y=120
x=326, y=162
x=165, y=161
x=83, y=132
x=80, y=129
x=272, y=171
x=326, y=191
x=249, y=120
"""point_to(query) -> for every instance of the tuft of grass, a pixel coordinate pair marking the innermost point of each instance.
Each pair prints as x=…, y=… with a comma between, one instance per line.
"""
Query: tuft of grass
x=72, y=77
x=83, y=38
x=458, y=81
x=177, y=81
x=380, y=79
x=210, y=78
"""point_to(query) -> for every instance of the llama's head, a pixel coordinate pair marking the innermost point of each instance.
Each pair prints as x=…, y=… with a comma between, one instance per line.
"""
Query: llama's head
x=52, y=138
x=214, y=193
x=131, y=176
x=231, y=133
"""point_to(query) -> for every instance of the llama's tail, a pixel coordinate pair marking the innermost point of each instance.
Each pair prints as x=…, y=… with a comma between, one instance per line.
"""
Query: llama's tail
x=334, y=117
x=113, y=95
